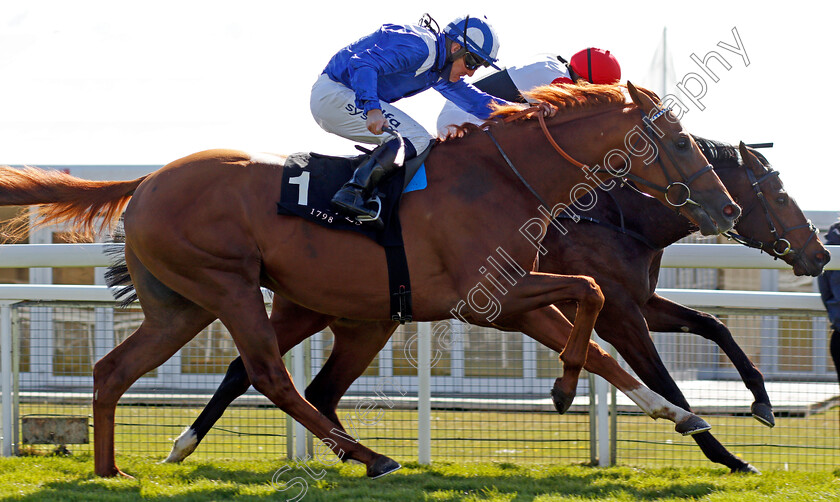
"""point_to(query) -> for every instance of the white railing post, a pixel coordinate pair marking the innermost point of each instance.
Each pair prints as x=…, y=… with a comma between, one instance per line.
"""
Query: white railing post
x=602, y=411
x=299, y=377
x=613, y=414
x=601, y=392
x=6, y=378
x=593, y=422
x=424, y=394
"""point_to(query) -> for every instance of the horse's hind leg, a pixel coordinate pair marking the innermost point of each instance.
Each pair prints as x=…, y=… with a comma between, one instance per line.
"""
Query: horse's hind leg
x=356, y=344
x=538, y=290
x=292, y=324
x=234, y=384
x=170, y=322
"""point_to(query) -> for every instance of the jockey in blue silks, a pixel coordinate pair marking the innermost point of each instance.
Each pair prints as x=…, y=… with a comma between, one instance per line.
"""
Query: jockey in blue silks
x=352, y=97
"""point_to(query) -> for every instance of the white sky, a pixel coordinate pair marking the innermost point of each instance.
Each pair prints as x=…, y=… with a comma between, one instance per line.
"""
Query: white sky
x=114, y=82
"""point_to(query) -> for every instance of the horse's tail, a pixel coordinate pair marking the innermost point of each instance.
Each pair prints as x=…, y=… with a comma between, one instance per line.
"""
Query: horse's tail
x=117, y=277
x=62, y=198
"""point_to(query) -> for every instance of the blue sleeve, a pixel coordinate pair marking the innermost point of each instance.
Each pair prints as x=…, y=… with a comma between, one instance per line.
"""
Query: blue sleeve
x=391, y=54
x=829, y=284
x=468, y=98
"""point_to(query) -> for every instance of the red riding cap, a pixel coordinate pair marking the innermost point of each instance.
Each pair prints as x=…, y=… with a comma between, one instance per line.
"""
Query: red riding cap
x=597, y=66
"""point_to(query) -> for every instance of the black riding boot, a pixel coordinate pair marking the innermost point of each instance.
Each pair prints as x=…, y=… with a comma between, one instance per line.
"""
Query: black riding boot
x=351, y=198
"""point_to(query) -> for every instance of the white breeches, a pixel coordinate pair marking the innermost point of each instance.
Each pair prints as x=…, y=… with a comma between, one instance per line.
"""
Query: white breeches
x=334, y=107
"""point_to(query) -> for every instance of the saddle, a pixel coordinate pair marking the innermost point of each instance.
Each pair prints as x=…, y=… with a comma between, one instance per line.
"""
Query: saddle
x=311, y=179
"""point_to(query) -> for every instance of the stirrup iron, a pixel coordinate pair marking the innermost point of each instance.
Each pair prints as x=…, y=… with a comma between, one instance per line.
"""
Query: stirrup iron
x=364, y=218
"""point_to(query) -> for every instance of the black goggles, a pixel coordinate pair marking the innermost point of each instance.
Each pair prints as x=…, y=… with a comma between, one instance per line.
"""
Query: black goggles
x=473, y=62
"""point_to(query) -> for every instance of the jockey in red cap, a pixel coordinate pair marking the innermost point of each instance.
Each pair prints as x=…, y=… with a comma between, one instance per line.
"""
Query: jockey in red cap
x=596, y=66
x=593, y=65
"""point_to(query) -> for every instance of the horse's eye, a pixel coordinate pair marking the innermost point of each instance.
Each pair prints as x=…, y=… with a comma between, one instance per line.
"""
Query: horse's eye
x=682, y=143
x=782, y=199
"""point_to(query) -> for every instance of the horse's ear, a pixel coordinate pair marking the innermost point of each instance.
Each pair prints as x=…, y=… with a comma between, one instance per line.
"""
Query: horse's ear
x=750, y=159
x=640, y=99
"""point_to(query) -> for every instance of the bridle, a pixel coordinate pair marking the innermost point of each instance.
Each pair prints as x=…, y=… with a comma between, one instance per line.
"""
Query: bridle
x=542, y=108
x=687, y=180
x=780, y=245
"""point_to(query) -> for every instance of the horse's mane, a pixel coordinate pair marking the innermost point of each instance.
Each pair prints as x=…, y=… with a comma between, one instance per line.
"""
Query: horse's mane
x=565, y=97
x=725, y=155
x=568, y=97
x=717, y=152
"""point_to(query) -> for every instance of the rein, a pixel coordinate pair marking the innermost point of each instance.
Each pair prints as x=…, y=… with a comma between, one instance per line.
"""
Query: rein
x=543, y=109
x=556, y=146
x=516, y=171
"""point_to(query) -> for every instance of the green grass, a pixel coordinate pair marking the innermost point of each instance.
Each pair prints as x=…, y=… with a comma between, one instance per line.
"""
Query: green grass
x=493, y=456
x=71, y=479
x=249, y=433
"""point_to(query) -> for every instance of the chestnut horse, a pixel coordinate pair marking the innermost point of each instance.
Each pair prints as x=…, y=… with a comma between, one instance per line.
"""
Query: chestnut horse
x=630, y=232
x=202, y=236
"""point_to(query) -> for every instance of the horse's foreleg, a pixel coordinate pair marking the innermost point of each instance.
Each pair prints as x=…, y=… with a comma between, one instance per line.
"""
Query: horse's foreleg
x=538, y=290
x=663, y=315
x=549, y=327
x=642, y=357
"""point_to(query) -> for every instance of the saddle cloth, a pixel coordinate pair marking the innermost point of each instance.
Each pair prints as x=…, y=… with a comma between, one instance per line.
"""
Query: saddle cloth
x=310, y=180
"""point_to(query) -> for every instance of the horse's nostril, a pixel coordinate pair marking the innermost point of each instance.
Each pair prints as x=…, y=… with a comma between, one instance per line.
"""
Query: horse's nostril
x=821, y=257
x=731, y=211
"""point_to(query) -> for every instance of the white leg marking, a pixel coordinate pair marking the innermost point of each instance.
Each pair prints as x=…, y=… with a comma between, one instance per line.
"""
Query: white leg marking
x=656, y=406
x=184, y=445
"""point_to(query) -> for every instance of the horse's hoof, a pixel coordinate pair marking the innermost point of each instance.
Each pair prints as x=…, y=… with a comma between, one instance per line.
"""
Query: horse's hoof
x=113, y=472
x=382, y=466
x=763, y=412
x=745, y=469
x=562, y=401
x=692, y=425
x=184, y=445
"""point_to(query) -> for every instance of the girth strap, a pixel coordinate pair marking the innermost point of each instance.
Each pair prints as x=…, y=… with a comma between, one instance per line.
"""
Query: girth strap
x=399, y=284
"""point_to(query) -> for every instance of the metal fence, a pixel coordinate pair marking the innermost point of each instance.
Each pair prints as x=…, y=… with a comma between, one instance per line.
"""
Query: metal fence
x=487, y=390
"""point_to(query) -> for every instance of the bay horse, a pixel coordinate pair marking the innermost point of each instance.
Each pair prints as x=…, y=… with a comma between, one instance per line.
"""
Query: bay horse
x=202, y=236
x=630, y=231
